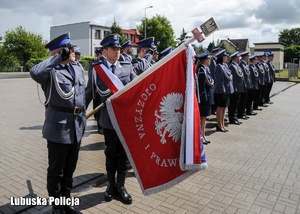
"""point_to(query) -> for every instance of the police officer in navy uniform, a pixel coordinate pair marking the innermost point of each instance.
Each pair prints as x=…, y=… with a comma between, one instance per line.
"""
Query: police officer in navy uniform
x=114, y=151
x=212, y=66
x=253, y=92
x=238, y=83
x=62, y=81
x=145, y=55
x=248, y=85
x=95, y=92
x=213, y=61
x=223, y=88
x=205, y=89
x=165, y=52
x=126, y=54
x=262, y=82
x=272, y=77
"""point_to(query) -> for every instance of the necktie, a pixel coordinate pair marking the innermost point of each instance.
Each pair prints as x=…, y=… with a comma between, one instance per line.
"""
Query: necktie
x=113, y=68
x=70, y=70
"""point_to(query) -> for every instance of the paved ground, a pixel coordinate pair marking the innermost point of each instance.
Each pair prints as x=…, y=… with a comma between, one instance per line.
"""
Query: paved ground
x=254, y=168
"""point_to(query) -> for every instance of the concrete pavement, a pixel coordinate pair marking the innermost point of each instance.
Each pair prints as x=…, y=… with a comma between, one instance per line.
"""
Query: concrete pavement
x=254, y=168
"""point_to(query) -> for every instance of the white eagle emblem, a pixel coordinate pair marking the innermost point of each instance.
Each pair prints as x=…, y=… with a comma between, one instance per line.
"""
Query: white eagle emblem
x=169, y=118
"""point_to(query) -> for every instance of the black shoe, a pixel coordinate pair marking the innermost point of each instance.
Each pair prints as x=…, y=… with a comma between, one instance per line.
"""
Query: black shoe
x=58, y=210
x=71, y=210
x=257, y=109
x=263, y=105
x=235, y=122
x=251, y=113
x=206, y=142
x=125, y=197
x=226, y=130
x=270, y=102
x=243, y=117
x=220, y=130
x=109, y=193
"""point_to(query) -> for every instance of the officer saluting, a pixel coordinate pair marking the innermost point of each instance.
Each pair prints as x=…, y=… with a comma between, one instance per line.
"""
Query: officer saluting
x=144, y=59
x=62, y=80
x=114, y=151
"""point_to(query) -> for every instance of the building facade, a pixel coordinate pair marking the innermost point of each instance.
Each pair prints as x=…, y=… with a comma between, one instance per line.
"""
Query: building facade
x=88, y=36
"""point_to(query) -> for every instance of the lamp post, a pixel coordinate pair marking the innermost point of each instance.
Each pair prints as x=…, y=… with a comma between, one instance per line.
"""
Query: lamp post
x=146, y=20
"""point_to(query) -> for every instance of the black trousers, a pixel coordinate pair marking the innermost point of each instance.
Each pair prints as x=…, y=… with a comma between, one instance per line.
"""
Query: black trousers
x=263, y=94
x=62, y=160
x=242, y=104
x=114, y=152
x=233, y=106
x=251, y=96
x=268, y=91
x=257, y=98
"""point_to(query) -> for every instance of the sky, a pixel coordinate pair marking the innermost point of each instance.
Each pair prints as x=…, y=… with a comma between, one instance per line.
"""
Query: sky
x=256, y=20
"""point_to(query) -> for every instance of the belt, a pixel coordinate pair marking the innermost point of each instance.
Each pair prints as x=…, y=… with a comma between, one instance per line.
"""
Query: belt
x=77, y=110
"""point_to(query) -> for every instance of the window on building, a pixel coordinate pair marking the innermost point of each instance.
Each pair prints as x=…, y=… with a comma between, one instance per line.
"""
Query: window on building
x=132, y=37
x=106, y=33
x=97, y=34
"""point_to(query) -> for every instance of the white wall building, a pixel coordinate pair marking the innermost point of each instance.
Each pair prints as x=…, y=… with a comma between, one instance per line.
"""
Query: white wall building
x=86, y=35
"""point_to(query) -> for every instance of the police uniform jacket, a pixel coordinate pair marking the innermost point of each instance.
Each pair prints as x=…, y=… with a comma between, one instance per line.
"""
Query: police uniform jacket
x=212, y=66
x=125, y=57
x=223, y=79
x=238, y=81
x=142, y=64
x=267, y=72
x=254, y=76
x=271, y=70
x=124, y=71
x=91, y=90
x=61, y=125
x=261, y=72
x=246, y=71
x=205, y=85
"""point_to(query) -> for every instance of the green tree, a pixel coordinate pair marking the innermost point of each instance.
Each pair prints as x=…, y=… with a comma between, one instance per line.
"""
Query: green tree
x=292, y=52
x=160, y=28
x=290, y=37
x=8, y=61
x=24, y=45
x=116, y=29
x=183, y=37
x=211, y=46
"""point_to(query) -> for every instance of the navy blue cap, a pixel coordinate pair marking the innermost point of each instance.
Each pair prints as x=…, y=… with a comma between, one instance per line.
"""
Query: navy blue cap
x=148, y=42
x=166, y=51
x=265, y=54
x=99, y=50
x=77, y=52
x=270, y=54
x=253, y=57
x=205, y=55
x=246, y=53
x=221, y=53
x=155, y=50
x=236, y=54
x=216, y=50
x=259, y=55
x=112, y=40
x=59, y=41
x=126, y=44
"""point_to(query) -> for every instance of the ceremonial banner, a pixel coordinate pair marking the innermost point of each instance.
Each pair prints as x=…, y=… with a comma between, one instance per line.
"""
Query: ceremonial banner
x=150, y=118
x=110, y=80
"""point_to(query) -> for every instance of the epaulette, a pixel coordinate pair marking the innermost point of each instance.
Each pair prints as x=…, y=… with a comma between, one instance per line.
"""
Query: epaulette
x=125, y=63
